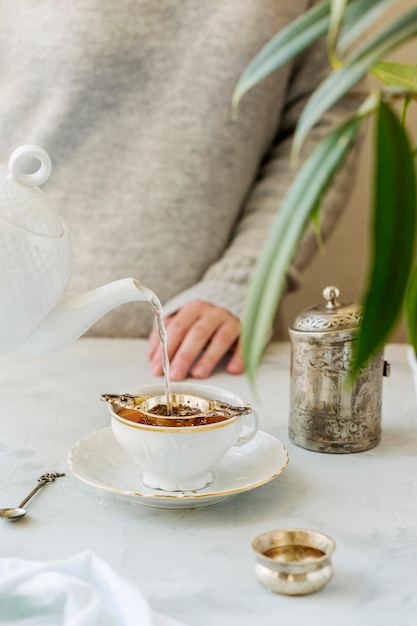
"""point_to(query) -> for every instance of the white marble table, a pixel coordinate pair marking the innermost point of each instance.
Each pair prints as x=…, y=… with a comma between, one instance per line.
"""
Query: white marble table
x=197, y=564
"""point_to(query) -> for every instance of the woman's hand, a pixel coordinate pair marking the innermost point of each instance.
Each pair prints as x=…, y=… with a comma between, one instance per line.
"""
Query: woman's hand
x=199, y=336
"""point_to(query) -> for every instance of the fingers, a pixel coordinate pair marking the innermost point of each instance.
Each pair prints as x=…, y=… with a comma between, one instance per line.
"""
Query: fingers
x=236, y=364
x=190, y=333
x=198, y=336
x=222, y=340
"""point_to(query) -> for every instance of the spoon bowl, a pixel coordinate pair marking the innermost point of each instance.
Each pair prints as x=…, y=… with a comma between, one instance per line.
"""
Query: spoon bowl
x=13, y=513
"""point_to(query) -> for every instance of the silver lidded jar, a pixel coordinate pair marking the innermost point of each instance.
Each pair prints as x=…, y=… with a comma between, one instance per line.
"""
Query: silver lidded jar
x=330, y=412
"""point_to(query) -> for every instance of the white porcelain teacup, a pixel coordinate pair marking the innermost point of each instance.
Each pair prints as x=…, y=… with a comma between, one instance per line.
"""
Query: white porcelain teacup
x=181, y=458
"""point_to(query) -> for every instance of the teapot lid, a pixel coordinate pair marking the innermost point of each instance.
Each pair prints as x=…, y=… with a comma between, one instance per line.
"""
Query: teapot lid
x=329, y=316
x=21, y=202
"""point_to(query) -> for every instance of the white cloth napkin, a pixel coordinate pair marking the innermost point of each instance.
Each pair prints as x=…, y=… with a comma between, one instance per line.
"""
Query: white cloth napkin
x=82, y=591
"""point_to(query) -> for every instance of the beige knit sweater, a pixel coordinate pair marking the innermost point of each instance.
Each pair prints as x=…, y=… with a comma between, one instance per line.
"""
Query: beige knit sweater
x=132, y=100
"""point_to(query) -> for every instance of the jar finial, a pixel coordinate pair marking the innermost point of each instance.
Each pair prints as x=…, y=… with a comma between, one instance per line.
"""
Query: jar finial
x=331, y=293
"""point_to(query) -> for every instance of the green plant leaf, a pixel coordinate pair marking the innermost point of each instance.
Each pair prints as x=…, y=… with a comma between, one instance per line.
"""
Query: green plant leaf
x=411, y=309
x=315, y=223
x=337, y=10
x=359, y=18
x=396, y=75
x=302, y=32
x=269, y=276
x=287, y=43
x=339, y=82
x=394, y=223
x=406, y=104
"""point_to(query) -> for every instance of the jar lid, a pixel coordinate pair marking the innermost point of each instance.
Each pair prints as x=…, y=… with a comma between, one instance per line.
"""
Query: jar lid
x=330, y=316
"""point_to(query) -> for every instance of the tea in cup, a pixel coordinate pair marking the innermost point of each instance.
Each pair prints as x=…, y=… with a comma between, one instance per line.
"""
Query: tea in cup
x=178, y=452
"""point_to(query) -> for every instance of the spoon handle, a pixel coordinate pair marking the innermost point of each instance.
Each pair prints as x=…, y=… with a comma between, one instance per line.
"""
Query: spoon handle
x=45, y=478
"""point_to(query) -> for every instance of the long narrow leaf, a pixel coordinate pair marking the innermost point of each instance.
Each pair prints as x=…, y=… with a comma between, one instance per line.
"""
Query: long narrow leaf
x=342, y=80
x=359, y=18
x=337, y=10
x=267, y=283
x=299, y=34
x=315, y=223
x=302, y=32
x=394, y=223
x=411, y=309
x=396, y=75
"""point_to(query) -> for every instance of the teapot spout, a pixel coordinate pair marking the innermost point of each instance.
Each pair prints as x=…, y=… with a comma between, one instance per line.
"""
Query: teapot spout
x=75, y=314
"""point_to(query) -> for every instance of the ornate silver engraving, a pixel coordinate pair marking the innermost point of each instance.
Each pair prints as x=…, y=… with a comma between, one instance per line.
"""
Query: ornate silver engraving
x=329, y=413
x=315, y=323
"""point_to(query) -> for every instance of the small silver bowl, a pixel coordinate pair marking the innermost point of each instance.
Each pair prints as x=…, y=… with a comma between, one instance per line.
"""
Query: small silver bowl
x=293, y=561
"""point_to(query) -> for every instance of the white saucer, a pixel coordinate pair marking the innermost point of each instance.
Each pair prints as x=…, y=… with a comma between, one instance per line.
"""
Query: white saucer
x=101, y=462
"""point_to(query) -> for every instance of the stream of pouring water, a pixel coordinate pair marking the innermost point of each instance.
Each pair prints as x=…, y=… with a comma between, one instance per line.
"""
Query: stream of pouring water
x=156, y=307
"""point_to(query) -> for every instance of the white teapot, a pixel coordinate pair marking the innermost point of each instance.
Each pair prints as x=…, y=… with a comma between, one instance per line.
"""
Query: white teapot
x=35, y=266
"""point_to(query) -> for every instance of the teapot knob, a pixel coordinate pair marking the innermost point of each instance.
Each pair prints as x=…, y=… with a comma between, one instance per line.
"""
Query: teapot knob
x=24, y=153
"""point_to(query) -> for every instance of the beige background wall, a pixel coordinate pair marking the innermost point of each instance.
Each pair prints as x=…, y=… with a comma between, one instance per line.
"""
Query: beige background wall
x=345, y=257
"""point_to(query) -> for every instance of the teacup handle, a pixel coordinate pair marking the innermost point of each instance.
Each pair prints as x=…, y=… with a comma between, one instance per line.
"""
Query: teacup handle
x=251, y=434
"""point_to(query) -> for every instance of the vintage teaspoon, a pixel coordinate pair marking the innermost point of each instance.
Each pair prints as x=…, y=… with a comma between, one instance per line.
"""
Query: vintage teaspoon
x=14, y=514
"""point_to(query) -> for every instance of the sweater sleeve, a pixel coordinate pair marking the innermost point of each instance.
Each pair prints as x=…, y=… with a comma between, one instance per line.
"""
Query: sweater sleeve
x=225, y=283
